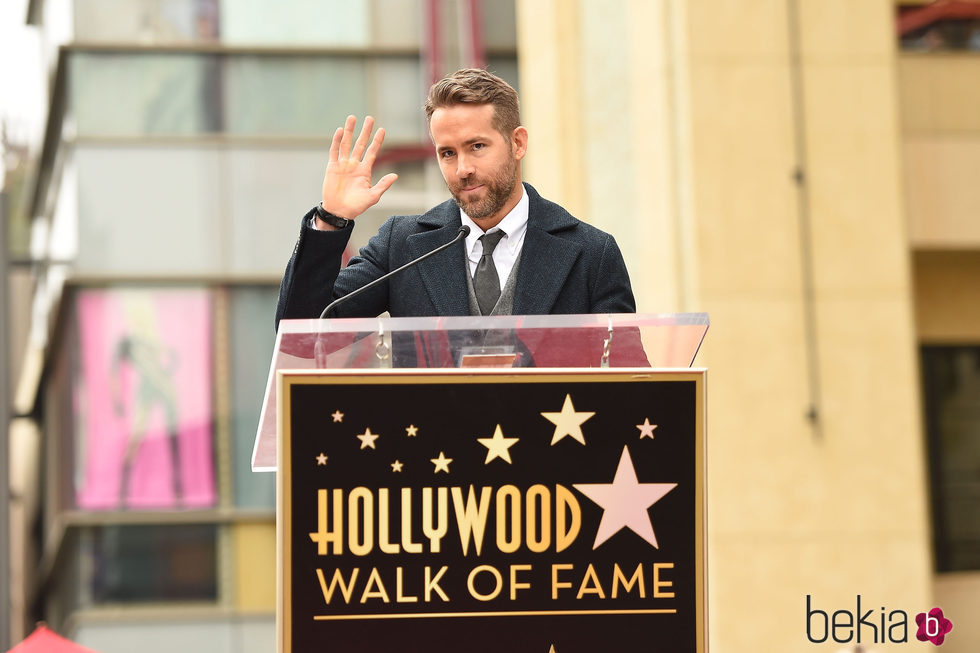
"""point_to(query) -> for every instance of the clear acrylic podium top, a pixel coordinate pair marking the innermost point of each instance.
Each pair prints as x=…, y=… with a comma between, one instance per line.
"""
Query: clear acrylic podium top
x=541, y=341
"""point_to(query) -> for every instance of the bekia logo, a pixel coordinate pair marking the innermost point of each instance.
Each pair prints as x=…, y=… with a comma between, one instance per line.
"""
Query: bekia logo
x=887, y=626
x=933, y=626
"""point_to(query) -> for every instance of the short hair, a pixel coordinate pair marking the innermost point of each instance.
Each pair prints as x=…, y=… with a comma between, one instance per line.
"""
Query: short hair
x=477, y=86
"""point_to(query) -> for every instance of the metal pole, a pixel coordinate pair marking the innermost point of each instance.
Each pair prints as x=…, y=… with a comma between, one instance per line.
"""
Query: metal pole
x=5, y=404
x=812, y=414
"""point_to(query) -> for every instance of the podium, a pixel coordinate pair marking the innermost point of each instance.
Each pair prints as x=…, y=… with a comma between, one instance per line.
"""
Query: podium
x=519, y=483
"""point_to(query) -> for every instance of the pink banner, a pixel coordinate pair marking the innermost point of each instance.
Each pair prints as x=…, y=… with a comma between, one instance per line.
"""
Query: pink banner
x=143, y=414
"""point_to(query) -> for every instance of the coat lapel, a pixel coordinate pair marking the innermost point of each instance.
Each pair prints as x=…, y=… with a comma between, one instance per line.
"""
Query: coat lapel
x=546, y=259
x=443, y=274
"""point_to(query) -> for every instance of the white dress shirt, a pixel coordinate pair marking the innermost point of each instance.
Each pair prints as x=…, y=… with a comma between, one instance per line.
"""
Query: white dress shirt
x=514, y=225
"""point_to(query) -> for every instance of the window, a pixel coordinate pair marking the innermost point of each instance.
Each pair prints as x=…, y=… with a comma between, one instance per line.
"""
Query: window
x=184, y=563
x=939, y=26
x=141, y=393
x=951, y=387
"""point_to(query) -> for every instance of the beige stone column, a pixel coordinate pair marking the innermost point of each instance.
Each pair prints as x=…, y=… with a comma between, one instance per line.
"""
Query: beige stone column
x=746, y=156
x=600, y=97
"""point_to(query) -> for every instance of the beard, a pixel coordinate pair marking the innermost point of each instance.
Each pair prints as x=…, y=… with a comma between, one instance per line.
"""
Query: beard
x=498, y=189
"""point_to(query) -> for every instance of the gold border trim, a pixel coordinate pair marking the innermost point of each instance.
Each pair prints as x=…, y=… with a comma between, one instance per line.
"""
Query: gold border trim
x=286, y=379
x=498, y=613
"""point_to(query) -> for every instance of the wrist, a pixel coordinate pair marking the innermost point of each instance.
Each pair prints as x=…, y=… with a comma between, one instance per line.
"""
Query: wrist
x=327, y=218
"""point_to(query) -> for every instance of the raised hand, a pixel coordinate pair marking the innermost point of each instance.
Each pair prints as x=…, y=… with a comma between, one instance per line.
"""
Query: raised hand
x=347, y=189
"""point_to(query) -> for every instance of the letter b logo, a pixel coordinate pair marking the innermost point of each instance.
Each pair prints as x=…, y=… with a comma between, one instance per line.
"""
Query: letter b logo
x=933, y=626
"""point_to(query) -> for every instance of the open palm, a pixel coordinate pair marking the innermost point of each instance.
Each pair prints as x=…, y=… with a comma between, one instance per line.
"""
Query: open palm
x=347, y=188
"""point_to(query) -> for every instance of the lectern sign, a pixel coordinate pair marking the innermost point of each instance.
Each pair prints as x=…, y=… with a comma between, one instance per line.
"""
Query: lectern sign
x=451, y=511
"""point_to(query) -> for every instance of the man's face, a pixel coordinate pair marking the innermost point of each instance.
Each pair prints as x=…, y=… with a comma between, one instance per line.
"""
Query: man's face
x=480, y=166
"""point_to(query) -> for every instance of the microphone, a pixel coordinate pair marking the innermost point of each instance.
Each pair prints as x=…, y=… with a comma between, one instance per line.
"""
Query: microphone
x=463, y=232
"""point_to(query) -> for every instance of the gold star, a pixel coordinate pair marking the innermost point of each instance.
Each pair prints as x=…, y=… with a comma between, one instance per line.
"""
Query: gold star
x=441, y=463
x=552, y=649
x=646, y=428
x=367, y=439
x=412, y=430
x=567, y=422
x=321, y=459
x=497, y=446
x=396, y=466
x=338, y=416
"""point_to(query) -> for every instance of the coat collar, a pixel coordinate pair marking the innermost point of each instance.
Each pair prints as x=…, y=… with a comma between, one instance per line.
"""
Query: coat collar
x=546, y=259
x=542, y=214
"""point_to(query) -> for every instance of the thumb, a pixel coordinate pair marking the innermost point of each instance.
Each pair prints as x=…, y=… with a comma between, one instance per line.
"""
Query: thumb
x=384, y=184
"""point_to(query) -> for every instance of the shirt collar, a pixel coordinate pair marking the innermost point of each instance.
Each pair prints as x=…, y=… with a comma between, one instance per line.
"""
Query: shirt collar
x=514, y=224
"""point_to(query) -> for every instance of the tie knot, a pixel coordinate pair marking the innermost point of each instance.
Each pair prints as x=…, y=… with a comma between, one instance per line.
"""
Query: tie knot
x=490, y=241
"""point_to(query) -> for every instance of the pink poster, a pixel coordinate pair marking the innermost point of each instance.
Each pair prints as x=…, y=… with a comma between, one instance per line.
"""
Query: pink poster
x=142, y=396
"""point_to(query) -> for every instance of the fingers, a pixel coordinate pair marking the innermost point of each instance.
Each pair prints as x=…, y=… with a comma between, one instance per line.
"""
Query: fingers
x=362, y=140
x=335, y=144
x=347, y=138
x=340, y=147
x=372, y=152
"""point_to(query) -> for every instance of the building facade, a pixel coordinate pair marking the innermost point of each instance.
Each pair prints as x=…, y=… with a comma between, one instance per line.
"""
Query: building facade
x=184, y=141
x=799, y=169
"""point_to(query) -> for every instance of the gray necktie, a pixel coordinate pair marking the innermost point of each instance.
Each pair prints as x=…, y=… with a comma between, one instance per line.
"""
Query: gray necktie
x=486, y=283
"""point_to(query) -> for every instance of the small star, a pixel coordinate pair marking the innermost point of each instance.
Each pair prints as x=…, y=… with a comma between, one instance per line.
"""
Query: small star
x=646, y=428
x=338, y=416
x=321, y=459
x=367, y=439
x=625, y=502
x=568, y=421
x=397, y=466
x=497, y=446
x=441, y=463
x=412, y=430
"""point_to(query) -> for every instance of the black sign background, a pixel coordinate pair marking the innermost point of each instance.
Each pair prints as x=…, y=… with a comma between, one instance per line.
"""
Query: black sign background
x=450, y=412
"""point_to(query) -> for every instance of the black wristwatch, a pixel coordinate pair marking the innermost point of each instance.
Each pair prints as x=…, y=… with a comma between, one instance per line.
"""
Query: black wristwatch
x=330, y=218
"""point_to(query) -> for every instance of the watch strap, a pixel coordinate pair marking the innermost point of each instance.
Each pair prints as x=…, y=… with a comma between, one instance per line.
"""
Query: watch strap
x=330, y=218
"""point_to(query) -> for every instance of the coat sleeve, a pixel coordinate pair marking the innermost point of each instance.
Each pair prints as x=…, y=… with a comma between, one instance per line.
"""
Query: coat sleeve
x=611, y=291
x=314, y=278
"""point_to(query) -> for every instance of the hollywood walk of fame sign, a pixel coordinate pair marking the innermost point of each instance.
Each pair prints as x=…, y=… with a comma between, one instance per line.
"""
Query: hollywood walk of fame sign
x=492, y=511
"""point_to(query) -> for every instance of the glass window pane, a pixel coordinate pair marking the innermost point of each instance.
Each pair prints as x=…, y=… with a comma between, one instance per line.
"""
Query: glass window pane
x=116, y=94
x=148, y=21
x=397, y=23
x=506, y=69
x=252, y=343
x=267, y=190
x=301, y=22
x=400, y=97
x=122, y=93
x=142, y=400
x=293, y=95
x=150, y=209
x=499, y=24
x=952, y=405
x=183, y=568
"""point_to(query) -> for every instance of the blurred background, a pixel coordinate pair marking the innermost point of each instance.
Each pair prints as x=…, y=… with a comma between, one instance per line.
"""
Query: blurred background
x=806, y=171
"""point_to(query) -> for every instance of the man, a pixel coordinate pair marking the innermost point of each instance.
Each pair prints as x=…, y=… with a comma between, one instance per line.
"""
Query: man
x=539, y=260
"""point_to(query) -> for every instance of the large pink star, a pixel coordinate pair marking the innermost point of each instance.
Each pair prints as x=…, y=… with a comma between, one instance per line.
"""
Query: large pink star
x=625, y=502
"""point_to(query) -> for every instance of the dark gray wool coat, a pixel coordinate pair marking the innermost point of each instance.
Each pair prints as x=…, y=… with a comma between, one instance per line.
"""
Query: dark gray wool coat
x=566, y=266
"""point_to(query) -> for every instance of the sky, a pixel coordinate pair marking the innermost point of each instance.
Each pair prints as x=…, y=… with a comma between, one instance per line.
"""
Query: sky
x=21, y=87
